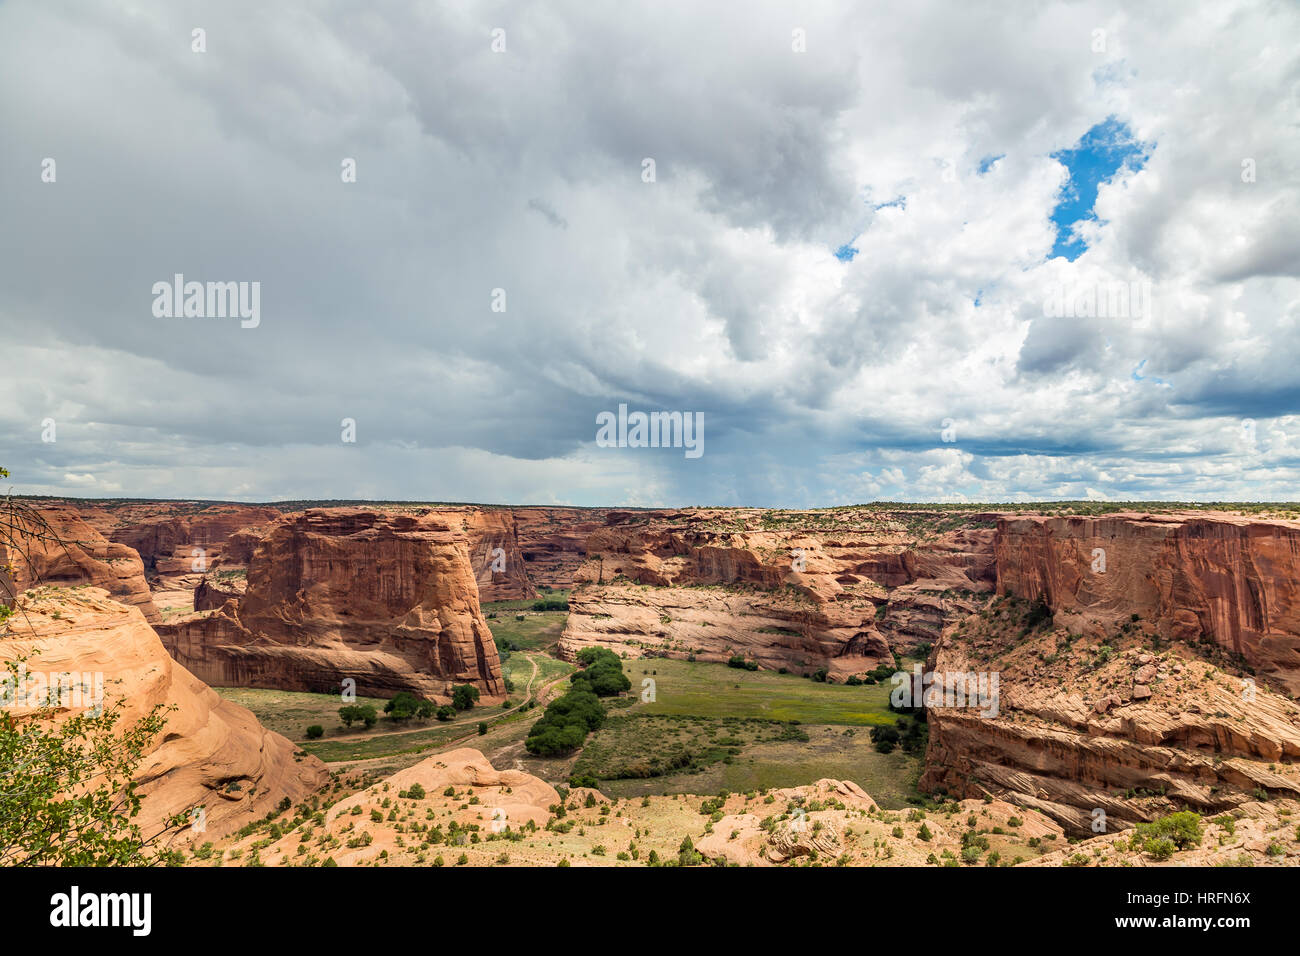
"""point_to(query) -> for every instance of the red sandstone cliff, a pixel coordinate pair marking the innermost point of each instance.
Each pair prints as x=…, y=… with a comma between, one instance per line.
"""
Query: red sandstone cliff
x=211, y=753
x=387, y=599
x=77, y=554
x=1227, y=579
x=553, y=541
x=167, y=544
x=800, y=590
x=1140, y=695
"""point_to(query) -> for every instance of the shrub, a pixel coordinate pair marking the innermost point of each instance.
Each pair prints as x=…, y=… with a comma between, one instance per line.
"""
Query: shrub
x=315, y=732
x=569, y=718
x=1178, y=831
x=402, y=706
x=464, y=696
x=885, y=738
x=362, y=713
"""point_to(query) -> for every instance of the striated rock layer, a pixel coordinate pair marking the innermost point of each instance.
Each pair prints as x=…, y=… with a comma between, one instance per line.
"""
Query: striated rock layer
x=189, y=543
x=211, y=754
x=803, y=591
x=1120, y=726
x=386, y=599
x=553, y=542
x=495, y=555
x=1215, y=577
x=77, y=554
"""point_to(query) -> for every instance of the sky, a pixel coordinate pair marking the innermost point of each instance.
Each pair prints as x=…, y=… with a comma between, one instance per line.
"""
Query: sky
x=927, y=251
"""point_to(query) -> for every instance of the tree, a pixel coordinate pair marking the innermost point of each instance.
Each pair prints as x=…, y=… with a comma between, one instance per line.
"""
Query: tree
x=482, y=727
x=67, y=797
x=365, y=713
x=315, y=732
x=464, y=696
x=885, y=738
x=402, y=706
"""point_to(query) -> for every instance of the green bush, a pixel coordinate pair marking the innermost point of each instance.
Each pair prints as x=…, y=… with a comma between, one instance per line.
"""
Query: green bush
x=359, y=713
x=885, y=738
x=464, y=696
x=404, y=705
x=1161, y=838
x=569, y=718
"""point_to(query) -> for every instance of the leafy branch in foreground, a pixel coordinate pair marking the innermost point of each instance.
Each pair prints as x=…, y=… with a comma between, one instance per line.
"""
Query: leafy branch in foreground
x=21, y=528
x=67, y=797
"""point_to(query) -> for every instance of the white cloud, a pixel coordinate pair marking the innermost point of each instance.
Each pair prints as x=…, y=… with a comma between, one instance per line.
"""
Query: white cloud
x=712, y=289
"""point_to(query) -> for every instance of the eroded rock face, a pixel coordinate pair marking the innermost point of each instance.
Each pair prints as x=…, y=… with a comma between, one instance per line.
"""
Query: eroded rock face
x=1217, y=577
x=387, y=599
x=80, y=555
x=843, y=592
x=211, y=754
x=192, y=542
x=212, y=593
x=495, y=555
x=1124, y=726
x=553, y=541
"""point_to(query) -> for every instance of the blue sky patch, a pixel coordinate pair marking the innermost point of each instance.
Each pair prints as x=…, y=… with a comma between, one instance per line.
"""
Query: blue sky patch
x=1101, y=152
x=845, y=253
x=988, y=162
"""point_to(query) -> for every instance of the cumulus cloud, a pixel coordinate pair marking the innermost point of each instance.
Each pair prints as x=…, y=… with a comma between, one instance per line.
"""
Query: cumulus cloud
x=519, y=178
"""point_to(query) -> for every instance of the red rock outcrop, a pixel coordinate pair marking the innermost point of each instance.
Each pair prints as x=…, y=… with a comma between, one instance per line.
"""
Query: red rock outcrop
x=212, y=593
x=799, y=590
x=385, y=598
x=553, y=541
x=495, y=555
x=73, y=553
x=1216, y=577
x=1125, y=725
x=189, y=543
x=211, y=754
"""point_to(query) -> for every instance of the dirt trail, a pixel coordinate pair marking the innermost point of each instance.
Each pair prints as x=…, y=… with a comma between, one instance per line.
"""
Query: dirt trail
x=363, y=762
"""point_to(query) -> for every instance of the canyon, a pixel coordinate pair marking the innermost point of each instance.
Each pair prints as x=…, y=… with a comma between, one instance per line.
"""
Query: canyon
x=1149, y=661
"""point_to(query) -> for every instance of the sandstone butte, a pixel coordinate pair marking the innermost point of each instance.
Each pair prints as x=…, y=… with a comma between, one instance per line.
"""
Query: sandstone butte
x=385, y=598
x=211, y=754
x=180, y=542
